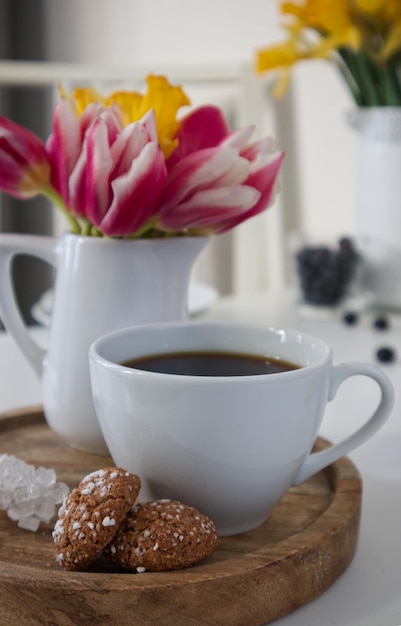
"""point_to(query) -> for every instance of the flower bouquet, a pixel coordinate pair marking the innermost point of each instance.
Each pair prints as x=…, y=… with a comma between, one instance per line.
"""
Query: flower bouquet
x=128, y=165
x=363, y=37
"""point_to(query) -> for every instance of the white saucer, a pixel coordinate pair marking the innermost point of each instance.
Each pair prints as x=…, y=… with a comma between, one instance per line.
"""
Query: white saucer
x=200, y=298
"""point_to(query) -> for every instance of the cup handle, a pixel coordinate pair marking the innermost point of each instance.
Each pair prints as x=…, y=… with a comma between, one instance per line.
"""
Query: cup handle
x=11, y=245
x=316, y=461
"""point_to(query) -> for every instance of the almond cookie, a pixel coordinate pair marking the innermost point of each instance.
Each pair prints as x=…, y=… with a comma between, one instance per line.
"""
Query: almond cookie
x=91, y=514
x=162, y=535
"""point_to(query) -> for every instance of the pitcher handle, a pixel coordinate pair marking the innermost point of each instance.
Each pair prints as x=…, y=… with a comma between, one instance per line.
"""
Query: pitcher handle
x=11, y=245
x=319, y=460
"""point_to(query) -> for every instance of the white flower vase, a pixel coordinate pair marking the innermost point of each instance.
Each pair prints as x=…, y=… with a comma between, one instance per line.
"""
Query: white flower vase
x=378, y=203
x=101, y=285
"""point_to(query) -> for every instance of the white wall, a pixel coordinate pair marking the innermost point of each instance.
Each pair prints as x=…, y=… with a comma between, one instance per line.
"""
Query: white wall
x=327, y=150
x=159, y=31
x=156, y=33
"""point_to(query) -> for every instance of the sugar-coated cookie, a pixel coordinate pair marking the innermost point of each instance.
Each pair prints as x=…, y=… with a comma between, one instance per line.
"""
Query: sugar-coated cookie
x=91, y=514
x=162, y=535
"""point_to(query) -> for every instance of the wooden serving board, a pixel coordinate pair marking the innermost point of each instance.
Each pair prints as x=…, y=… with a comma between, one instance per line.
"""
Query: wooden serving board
x=251, y=580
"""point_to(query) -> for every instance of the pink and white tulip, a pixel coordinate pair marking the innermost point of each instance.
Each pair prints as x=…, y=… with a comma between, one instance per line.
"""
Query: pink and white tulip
x=215, y=178
x=110, y=175
x=124, y=177
x=24, y=166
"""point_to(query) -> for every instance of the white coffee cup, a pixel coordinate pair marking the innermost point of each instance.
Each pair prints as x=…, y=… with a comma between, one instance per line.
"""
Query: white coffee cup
x=230, y=446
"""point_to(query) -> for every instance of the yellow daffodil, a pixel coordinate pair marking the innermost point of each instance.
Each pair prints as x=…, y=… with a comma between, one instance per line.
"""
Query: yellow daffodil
x=331, y=22
x=330, y=19
x=362, y=36
x=165, y=100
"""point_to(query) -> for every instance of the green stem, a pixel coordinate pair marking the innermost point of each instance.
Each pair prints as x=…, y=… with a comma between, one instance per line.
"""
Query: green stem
x=367, y=80
x=56, y=199
x=391, y=86
x=148, y=227
x=349, y=73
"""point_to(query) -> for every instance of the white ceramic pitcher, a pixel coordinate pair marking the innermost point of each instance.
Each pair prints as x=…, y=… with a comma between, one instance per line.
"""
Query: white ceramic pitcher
x=101, y=285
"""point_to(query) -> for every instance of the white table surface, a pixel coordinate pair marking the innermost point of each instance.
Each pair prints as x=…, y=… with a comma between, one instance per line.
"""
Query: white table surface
x=369, y=592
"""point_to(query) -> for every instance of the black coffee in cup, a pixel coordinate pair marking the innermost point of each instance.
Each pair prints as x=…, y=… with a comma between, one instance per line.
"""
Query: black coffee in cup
x=210, y=363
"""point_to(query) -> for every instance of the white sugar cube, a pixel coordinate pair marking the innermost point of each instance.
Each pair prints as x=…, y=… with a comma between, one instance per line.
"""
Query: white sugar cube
x=27, y=493
x=31, y=522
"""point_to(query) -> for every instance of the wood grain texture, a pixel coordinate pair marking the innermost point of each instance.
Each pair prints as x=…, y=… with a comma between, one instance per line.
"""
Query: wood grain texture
x=251, y=580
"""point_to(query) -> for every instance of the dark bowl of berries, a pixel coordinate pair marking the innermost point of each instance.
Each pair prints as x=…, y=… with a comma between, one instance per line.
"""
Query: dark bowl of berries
x=325, y=272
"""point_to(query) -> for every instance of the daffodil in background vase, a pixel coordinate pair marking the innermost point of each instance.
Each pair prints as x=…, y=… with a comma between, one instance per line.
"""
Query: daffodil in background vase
x=363, y=39
x=143, y=183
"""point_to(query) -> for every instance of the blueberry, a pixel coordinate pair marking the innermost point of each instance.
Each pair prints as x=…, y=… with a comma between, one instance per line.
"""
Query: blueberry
x=385, y=355
x=350, y=318
x=381, y=323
